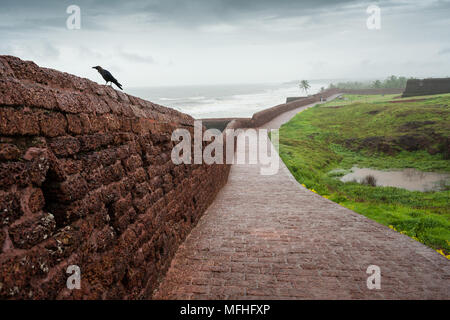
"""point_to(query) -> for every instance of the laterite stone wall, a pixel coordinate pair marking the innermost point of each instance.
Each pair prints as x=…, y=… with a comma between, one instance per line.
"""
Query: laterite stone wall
x=422, y=87
x=86, y=179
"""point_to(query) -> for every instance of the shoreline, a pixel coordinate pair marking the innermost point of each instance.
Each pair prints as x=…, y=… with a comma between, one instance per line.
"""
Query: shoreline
x=265, y=115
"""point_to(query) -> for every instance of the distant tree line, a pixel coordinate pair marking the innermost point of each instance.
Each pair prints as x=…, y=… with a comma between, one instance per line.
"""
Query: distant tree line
x=391, y=82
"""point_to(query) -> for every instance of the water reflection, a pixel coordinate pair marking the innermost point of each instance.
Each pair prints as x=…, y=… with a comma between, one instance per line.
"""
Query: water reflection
x=410, y=179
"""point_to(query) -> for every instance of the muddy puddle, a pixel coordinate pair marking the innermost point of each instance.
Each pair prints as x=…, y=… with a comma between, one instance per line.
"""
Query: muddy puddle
x=410, y=179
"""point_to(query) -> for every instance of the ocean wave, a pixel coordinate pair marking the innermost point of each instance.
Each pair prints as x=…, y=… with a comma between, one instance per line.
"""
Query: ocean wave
x=211, y=104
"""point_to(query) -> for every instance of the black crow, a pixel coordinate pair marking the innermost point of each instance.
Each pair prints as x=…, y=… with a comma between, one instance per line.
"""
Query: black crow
x=108, y=76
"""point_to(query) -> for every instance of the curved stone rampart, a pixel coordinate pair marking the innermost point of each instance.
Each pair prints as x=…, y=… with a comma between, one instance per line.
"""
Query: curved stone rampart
x=86, y=179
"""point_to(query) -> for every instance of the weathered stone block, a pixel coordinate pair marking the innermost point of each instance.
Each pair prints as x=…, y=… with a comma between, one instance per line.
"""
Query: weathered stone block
x=31, y=230
x=9, y=152
x=18, y=121
x=9, y=207
x=132, y=163
x=64, y=146
x=74, y=188
x=68, y=102
x=53, y=124
x=14, y=173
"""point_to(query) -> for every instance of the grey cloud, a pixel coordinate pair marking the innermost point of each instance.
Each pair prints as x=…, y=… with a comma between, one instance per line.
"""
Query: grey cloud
x=86, y=52
x=134, y=57
x=235, y=38
x=98, y=15
x=43, y=51
x=175, y=12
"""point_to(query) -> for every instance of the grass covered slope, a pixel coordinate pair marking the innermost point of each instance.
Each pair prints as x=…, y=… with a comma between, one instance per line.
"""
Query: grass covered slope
x=379, y=132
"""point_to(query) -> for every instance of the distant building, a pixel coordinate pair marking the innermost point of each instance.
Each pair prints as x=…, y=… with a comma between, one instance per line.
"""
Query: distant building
x=423, y=87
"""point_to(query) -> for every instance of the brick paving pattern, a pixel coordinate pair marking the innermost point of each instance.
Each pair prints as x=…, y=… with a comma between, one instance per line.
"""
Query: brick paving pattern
x=267, y=237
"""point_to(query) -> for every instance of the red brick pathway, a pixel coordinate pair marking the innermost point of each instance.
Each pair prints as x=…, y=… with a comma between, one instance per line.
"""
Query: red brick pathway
x=267, y=237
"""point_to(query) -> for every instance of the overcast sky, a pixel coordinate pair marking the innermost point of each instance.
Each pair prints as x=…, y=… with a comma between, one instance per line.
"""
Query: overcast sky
x=184, y=42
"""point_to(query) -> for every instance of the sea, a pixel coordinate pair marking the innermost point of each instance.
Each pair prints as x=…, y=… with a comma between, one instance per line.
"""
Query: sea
x=224, y=101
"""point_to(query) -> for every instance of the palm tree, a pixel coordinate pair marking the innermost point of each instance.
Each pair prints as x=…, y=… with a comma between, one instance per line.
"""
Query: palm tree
x=304, y=85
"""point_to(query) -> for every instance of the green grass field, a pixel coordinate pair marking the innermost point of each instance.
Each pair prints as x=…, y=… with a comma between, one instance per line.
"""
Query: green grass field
x=375, y=132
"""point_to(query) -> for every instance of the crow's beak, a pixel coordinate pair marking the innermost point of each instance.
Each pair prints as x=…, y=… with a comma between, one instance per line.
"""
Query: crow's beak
x=93, y=67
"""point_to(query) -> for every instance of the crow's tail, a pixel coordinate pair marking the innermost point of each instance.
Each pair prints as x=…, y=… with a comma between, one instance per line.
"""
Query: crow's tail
x=118, y=84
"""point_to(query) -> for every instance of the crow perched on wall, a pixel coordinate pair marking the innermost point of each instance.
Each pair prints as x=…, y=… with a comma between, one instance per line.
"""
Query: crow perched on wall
x=108, y=76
